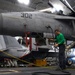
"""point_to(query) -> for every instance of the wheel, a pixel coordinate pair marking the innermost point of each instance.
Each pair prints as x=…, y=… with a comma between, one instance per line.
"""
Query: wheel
x=69, y=62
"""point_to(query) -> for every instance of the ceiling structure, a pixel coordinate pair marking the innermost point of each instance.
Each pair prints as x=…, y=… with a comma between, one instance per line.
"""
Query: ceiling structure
x=15, y=6
x=39, y=4
x=44, y=4
x=72, y=3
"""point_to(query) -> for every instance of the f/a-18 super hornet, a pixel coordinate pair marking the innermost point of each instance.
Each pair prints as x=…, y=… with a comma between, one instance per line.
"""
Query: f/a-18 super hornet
x=18, y=23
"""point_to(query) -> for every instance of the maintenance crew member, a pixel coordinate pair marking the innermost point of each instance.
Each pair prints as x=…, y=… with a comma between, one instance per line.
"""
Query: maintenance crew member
x=60, y=42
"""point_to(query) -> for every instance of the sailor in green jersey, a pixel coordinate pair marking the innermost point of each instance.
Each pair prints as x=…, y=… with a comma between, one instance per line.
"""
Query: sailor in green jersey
x=60, y=39
x=60, y=42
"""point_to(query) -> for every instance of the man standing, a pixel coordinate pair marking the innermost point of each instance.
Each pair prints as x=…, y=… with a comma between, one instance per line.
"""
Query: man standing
x=60, y=42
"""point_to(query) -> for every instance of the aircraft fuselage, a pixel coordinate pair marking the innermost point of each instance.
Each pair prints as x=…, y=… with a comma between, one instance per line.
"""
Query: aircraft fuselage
x=17, y=23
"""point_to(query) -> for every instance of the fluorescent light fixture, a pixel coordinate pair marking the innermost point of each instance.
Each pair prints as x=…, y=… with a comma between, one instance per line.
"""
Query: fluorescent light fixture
x=58, y=7
x=26, y=2
x=53, y=10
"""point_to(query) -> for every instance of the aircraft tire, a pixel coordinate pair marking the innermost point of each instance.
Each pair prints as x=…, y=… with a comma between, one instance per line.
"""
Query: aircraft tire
x=69, y=62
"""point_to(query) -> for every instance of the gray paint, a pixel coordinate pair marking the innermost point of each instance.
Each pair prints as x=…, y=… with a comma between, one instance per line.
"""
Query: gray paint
x=14, y=24
x=2, y=43
x=11, y=47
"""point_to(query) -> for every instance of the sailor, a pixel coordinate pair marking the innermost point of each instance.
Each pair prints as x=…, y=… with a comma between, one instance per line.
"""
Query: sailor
x=60, y=42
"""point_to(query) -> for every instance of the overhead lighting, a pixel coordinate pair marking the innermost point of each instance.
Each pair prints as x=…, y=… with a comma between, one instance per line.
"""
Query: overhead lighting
x=26, y=2
x=58, y=7
x=47, y=9
x=53, y=10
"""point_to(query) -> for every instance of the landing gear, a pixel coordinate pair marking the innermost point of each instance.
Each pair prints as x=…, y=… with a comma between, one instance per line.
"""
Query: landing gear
x=69, y=62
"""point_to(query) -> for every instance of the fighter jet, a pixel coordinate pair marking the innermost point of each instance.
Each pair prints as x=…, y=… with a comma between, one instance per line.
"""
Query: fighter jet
x=19, y=23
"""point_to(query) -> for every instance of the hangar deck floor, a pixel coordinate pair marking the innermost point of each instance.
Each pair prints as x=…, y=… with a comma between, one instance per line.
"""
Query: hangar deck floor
x=31, y=70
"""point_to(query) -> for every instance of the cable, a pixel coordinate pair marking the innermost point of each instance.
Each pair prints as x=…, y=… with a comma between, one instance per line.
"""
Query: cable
x=49, y=27
x=41, y=37
x=19, y=58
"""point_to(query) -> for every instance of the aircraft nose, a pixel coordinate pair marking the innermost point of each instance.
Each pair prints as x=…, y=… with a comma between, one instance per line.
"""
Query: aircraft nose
x=11, y=25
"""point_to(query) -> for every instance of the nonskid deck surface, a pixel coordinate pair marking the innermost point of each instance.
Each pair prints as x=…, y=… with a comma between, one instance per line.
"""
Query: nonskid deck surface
x=31, y=70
